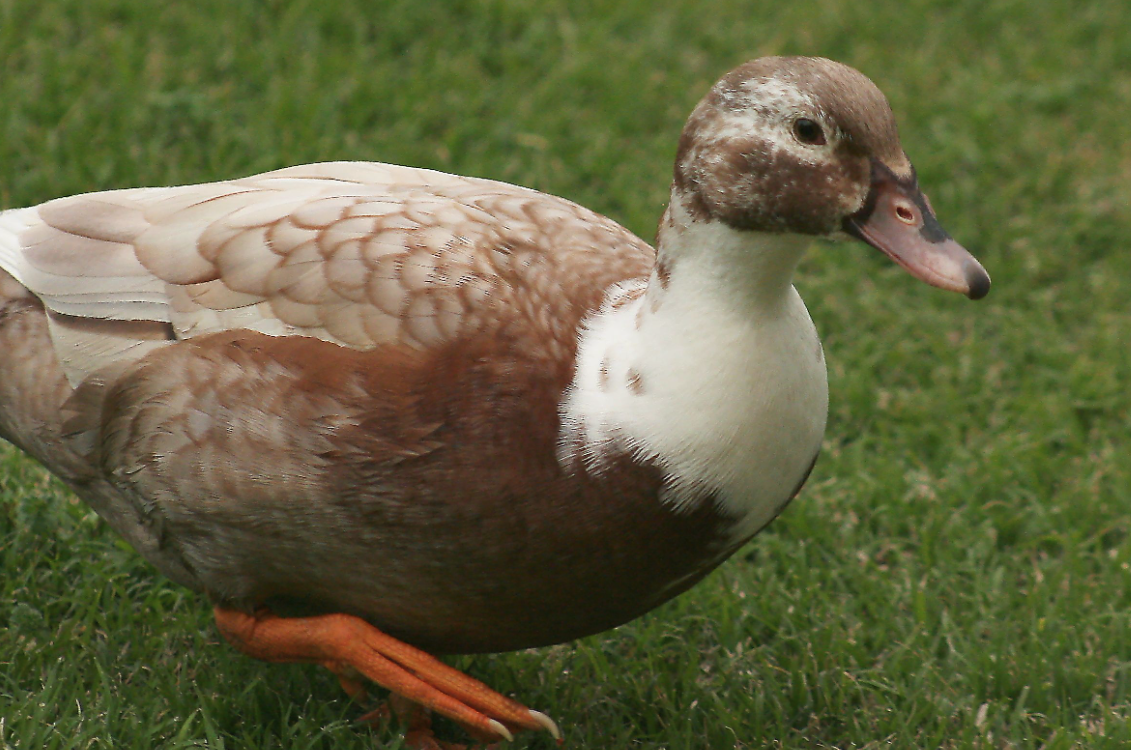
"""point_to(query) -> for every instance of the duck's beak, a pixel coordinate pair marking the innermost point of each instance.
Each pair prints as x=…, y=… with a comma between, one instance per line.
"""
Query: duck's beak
x=897, y=219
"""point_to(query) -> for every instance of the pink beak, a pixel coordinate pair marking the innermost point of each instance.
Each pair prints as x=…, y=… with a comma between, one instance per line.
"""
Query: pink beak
x=898, y=220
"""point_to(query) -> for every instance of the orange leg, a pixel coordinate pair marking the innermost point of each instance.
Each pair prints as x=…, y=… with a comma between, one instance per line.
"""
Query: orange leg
x=348, y=645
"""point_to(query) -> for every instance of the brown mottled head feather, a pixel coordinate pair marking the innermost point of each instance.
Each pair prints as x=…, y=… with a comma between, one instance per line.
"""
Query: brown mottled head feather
x=843, y=94
x=739, y=161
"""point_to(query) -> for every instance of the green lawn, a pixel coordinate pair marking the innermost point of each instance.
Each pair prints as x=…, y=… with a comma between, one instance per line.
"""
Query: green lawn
x=955, y=575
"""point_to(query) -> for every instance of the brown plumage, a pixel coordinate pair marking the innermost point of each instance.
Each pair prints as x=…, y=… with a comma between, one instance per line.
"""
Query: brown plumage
x=472, y=416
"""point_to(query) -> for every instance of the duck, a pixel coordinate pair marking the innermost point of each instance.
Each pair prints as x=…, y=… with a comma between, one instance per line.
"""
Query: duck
x=378, y=414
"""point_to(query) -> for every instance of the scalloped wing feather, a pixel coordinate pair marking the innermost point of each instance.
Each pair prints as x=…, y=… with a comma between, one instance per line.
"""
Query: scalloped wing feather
x=358, y=254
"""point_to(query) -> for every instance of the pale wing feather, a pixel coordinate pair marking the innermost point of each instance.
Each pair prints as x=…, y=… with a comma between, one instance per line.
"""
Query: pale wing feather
x=85, y=345
x=354, y=253
x=48, y=261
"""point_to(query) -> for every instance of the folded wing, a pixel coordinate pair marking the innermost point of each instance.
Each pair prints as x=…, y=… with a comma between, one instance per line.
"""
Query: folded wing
x=358, y=254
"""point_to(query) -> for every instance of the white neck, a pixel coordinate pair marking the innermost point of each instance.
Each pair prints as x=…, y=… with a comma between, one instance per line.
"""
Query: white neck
x=711, y=368
x=752, y=270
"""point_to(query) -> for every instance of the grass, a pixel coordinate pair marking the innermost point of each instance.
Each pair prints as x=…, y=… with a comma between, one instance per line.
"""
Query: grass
x=955, y=575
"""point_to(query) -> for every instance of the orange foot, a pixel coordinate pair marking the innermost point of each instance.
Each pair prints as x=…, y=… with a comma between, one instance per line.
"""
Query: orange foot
x=348, y=645
x=417, y=722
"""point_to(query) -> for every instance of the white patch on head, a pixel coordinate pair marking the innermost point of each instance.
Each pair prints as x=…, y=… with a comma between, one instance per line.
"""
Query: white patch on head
x=767, y=107
x=743, y=162
x=732, y=397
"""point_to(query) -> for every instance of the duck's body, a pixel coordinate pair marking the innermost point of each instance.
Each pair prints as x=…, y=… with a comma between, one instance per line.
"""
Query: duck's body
x=431, y=453
x=478, y=417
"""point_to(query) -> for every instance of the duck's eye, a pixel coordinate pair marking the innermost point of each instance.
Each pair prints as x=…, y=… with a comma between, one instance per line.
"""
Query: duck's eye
x=808, y=132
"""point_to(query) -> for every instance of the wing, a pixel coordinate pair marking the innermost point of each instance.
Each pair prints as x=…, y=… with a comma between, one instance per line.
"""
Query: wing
x=358, y=254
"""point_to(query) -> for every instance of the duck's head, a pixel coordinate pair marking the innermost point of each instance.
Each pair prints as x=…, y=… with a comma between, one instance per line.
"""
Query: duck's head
x=810, y=146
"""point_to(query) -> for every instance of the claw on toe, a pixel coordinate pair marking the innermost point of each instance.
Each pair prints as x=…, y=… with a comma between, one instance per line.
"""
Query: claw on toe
x=418, y=725
x=352, y=649
x=548, y=724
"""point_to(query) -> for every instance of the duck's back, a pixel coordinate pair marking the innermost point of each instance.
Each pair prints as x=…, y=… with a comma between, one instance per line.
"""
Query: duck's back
x=358, y=254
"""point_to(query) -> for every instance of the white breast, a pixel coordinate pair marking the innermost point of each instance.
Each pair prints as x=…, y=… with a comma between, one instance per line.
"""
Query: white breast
x=720, y=379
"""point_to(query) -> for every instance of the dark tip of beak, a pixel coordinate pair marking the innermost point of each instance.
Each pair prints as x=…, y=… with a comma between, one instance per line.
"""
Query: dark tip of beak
x=977, y=280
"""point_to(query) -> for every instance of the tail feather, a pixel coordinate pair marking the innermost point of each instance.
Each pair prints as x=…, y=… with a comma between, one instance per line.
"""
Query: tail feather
x=13, y=222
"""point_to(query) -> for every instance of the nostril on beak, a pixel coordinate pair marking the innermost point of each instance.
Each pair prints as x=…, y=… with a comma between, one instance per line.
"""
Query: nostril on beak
x=905, y=213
